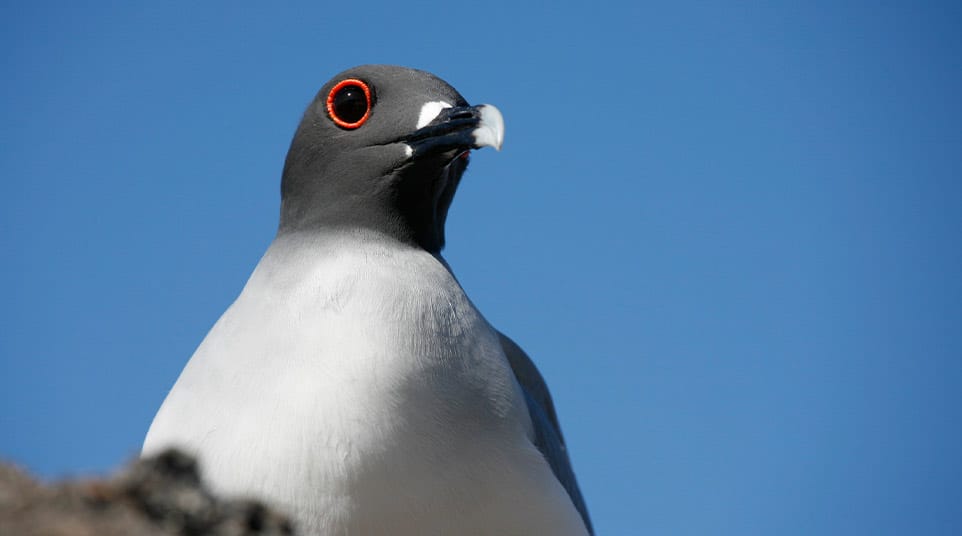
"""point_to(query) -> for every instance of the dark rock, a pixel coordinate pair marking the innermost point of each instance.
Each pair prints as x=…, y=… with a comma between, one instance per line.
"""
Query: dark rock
x=162, y=496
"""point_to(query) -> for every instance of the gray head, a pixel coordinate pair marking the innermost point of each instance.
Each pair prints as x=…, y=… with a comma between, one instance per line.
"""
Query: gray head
x=383, y=148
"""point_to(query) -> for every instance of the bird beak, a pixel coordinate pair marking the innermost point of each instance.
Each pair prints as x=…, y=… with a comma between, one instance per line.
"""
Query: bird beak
x=490, y=130
x=459, y=128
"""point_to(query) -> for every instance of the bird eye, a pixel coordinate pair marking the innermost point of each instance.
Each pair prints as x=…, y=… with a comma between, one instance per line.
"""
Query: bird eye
x=349, y=103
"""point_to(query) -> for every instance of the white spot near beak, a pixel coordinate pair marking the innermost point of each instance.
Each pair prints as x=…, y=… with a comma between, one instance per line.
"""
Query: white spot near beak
x=490, y=132
x=429, y=111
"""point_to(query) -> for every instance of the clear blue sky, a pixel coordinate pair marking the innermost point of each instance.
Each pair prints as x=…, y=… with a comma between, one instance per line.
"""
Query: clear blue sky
x=729, y=233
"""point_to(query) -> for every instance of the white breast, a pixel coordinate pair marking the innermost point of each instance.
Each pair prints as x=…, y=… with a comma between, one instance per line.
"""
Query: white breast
x=354, y=385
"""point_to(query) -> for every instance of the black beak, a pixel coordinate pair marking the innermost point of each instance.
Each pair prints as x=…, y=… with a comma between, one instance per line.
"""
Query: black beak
x=459, y=129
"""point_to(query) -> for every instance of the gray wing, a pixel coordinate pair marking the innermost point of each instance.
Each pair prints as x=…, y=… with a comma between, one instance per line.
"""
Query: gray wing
x=547, y=431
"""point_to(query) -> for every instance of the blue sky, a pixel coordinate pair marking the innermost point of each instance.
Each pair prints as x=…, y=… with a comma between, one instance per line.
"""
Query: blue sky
x=728, y=233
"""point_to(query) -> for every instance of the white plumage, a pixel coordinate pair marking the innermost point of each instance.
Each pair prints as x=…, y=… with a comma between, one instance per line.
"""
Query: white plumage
x=353, y=384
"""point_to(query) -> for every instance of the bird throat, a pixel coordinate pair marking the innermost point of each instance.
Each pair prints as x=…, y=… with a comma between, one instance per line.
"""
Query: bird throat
x=410, y=204
x=425, y=192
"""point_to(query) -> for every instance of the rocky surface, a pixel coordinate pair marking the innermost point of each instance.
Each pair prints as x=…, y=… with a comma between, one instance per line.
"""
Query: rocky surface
x=162, y=496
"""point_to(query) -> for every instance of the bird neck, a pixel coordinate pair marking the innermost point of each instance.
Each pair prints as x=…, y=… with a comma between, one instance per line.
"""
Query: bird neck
x=410, y=206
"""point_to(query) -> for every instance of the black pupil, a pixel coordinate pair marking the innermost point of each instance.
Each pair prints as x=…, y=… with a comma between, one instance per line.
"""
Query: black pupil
x=350, y=104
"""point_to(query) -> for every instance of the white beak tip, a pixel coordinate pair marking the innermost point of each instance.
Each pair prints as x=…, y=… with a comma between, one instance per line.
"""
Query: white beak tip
x=490, y=131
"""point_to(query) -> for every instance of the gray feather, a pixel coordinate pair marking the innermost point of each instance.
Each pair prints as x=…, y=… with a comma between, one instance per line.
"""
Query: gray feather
x=547, y=431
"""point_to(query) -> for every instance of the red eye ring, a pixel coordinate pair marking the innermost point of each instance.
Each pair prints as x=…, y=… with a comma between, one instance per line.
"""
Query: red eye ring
x=336, y=91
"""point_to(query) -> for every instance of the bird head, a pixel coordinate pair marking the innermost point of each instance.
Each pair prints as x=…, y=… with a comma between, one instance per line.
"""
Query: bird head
x=383, y=148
